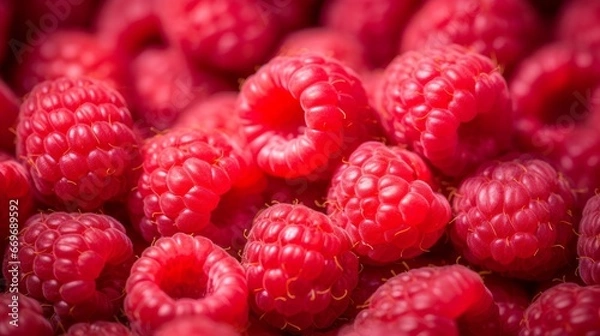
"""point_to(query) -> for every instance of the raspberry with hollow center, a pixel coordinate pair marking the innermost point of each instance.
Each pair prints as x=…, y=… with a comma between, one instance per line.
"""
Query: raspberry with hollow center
x=427, y=299
x=299, y=267
x=184, y=174
x=504, y=30
x=449, y=104
x=566, y=309
x=22, y=317
x=383, y=198
x=75, y=262
x=515, y=217
x=183, y=276
x=303, y=113
x=588, y=243
x=76, y=137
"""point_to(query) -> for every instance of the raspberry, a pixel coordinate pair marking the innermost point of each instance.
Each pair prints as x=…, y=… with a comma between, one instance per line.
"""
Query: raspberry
x=196, y=325
x=428, y=300
x=566, y=309
x=215, y=112
x=17, y=197
x=77, y=138
x=383, y=198
x=129, y=25
x=291, y=15
x=185, y=276
x=515, y=217
x=551, y=95
x=70, y=53
x=22, y=317
x=9, y=110
x=35, y=18
x=299, y=267
x=100, y=328
x=512, y=300
x=504, y=30
x=325, y=109
x=343, y=47
x=184, y=174
x=75, y=262
x=230, y=35
x=376, y=24
x=448, y=104
x=578, y=23
x=588, y=243
x=164, y=84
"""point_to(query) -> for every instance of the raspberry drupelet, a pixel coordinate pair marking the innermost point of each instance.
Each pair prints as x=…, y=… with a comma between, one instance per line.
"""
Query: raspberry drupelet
x=515, y=217
x=185, y=276
x=75, y=262
x=302, y=114
x=196, y=326
x=76, y=138
x=449, y=104
x=384, y=198
x=299, y=267
x=99, y=328
x=588, y=243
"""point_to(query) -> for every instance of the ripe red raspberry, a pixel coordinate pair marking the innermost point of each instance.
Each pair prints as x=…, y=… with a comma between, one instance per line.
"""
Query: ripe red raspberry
x=77, y=138
x=449, y=104
x=215, y=112
x=299, y=267
x=383, y=198
x=325, y=116
x=512, y=299
x=291, y=15
x=427, y=300
x=77, y=263
x=184, y=174
x=16, y=196
x=341, y=46
x=566, y=309
x=577, y=22
x=9, y=110
x=69, y=53
x=22, y=317
x=99, y=328
x=164, y=84
x=230, y=35
x=588, y=243
x=129, y=25
x=504, y=30
x=551, y=92
x=515, y=217
x=196, y=325
x=183, y=276
x=377, y=24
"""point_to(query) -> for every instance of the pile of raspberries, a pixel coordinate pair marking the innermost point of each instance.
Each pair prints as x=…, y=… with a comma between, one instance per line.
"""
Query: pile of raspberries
x=300, y=167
